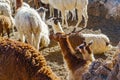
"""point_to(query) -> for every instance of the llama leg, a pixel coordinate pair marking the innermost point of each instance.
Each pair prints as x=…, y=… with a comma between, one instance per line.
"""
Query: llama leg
x=51, y=11
x=85, y=15
x=13, y=24
x=8, y=32
x=58, y=13
x=1, y=32
x=36, y=40
x=22, y=37
x=79, y=12
x=29, y=38
x=64, y=18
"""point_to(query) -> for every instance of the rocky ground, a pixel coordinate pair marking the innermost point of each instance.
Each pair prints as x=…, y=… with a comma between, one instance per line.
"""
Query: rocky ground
x=96, y=24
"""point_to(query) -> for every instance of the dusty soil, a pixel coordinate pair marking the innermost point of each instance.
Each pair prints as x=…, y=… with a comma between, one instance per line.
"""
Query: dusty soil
x=95, y=25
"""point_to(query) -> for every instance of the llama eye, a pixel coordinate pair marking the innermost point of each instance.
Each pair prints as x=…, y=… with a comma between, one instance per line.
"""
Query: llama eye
x=81, y=47
x=88, y=50
x=107, y=43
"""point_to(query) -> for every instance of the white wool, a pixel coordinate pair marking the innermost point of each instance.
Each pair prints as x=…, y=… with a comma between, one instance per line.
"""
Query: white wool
x=25, y=5
x=5, y=10
x=99, y=45
x=56, y=27
x=5, y=1
x=73, y=14
x=29, y=24
x=80, y=5
x=42, y=12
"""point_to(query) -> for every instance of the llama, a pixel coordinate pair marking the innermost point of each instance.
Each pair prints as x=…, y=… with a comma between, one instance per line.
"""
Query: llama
x=55, y=23
x=20, y=61
x=5, y=24
x=5, y=10
x=101, y=41
x=30, y=26
x=76, y=66
x=104, y=70
x=73, y=14
x=42, y=12
x=5, y=1
x=86, y=51
x=80, y=5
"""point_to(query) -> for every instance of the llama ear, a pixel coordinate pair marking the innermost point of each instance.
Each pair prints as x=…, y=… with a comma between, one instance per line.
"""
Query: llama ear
x=90, y=43
x=81, y=46
x=107, y=43
x=84, y=43
x=55, y=21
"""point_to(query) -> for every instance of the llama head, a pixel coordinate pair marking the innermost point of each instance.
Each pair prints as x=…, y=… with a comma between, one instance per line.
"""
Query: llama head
x=86, y=51
x=53, y=21
x=58, y=36
x=42, y=12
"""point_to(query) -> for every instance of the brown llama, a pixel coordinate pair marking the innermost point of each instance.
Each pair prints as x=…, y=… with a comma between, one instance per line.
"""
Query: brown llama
x=18, y=3
x=76, y=66
x=5, y=25
x=36, y=3
x=20, y=61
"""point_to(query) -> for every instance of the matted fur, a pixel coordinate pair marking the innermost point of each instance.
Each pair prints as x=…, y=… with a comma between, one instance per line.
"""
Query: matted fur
x=5, y=10
x=99, y=46
x=5, y=25
x=30, y=26
x=20, y=61
x=76, y=66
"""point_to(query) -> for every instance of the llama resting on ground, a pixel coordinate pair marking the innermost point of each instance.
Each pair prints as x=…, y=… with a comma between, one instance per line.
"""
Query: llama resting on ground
x=101, y=41
x=20, y=61
x=76, y=66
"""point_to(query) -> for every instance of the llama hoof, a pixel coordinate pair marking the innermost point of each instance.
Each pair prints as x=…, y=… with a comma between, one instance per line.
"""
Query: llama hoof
x=74, y=30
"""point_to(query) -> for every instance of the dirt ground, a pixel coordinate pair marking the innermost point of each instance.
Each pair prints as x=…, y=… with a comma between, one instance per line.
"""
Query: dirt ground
x=96, y=25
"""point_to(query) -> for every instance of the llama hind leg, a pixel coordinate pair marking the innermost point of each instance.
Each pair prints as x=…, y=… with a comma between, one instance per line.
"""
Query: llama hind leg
x=85, y=15
x=29, y=38
x=64, y=18
x=37, y=40
x=79, y=12
x=21, y=36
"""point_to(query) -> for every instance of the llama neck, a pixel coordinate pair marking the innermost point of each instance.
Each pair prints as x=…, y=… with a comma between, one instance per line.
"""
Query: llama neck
x=72, y=61
x=89, y=57
x=58, y=28
x=19, y=3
